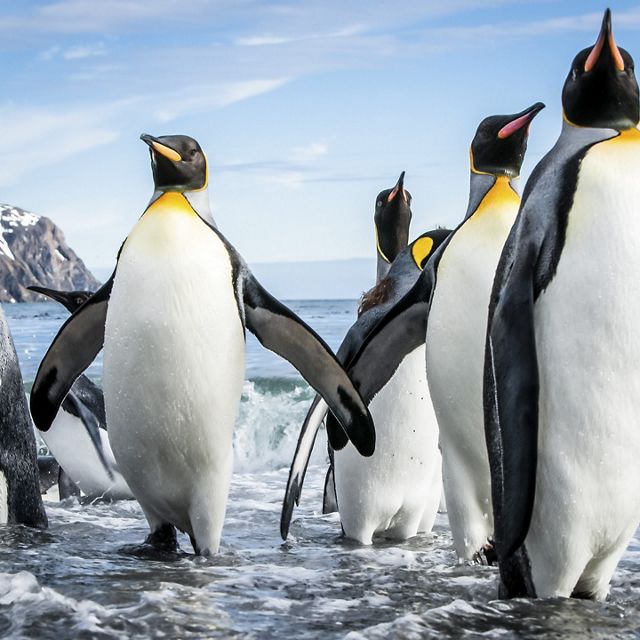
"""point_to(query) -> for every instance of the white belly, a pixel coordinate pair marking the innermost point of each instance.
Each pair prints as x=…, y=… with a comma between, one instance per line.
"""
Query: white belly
x=456, y=334
x=173, y=365
x=72, y=447
x=399, y=487
x=588, y=343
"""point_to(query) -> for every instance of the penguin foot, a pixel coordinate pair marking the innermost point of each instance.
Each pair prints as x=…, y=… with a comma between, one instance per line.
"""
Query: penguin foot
x=164, y=538
x=161, y=544
x=486, y=555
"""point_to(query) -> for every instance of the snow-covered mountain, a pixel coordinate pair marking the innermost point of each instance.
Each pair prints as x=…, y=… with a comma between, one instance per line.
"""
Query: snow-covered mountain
x=33, y=251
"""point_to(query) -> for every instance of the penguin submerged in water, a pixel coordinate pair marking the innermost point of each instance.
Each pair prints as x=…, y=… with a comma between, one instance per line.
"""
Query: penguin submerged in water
x=447, y=308
x=172, y=319
x=20, y=499
x=397, y=491
x=561, y=378
x=80, y=446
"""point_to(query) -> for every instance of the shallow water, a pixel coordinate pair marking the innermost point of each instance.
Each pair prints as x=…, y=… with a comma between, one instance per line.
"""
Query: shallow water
x=77, y=580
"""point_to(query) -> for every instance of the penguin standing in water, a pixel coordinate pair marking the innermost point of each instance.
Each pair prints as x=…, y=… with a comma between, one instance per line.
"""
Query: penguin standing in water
x=562, y=380
x=457, y=325
x=172, y=319
x=391, y=220
x=20, y=499
x=396, y=492
x=447, y=307
x=80, y=446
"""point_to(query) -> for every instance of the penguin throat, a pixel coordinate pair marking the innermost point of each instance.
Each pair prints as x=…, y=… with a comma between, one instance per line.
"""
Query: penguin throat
x=500, y=195
x=171, y=201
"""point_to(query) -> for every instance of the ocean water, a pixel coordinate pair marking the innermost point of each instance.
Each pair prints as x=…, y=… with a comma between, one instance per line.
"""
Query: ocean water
x=79, y=580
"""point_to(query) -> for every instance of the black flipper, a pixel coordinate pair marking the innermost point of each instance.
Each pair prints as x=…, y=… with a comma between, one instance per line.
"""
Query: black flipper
x=67, y=488
x=397, y=334
x=511, y=383
x=73, y=404
x=329, y=497
x=92, y=398
x=281, y=331
x=300, y=463
x=72, y=351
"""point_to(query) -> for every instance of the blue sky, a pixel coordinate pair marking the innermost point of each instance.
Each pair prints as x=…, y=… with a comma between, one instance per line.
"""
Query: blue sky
x=305, y=109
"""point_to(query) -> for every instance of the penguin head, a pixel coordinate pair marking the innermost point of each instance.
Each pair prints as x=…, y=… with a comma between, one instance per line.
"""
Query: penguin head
x=70, y=299
x=392, y=218
x=424, y=246
x=601, y=89
x=178, y=163
x=500, y=143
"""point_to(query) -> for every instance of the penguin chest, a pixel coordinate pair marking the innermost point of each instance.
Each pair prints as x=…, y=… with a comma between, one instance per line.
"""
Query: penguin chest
x=402, y=476
x=173, y=355
x=588, y=345
x=456, y=329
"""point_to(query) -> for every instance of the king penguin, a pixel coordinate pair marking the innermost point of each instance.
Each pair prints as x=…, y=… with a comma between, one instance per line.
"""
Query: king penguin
x=447, y=309
x=81, y=446
x=457, y=325
x=172, y=320
x=391, y=220
x=561, y=378
x=396, y=492
x=20, y=499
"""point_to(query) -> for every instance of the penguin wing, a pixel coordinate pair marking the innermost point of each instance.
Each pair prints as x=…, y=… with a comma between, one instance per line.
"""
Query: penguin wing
x=300, y=462
x=511, y=396
x=511, y=385
x=281, y=331
x=71, y=352
x=401, y=330
x=92, y=397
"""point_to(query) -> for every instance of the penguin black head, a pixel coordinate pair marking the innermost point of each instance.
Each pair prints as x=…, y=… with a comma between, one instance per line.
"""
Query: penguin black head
x=601, y=89
x=392, y=218
x=70, y=299
x=500, y=143
x=178, y=163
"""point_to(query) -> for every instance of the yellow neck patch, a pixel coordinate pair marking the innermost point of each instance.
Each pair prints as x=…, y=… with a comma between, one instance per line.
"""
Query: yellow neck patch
x=627, y=136
x=380, y=252
x=421, y=250
x=500, y=195
x=171, y=201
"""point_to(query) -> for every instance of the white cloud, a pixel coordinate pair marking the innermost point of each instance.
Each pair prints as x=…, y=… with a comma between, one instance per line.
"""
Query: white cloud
x=34, y=137
x=86, y=51
x=310, y=152
x=269, y=40
x=587, y=22
x=193, y=99
x=50, y=53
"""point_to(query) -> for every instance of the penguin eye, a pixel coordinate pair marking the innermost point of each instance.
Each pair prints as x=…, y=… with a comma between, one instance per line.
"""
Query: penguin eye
x=193, y=152
x=379, y=203
x=574, y=74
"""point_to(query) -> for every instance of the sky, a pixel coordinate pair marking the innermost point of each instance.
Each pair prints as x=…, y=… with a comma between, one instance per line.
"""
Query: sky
x=306, y=110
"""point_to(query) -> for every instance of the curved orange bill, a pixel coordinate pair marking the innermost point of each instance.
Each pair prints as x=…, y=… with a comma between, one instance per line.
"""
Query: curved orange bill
x=521, y=121
x=160, y=148
x=605, y=37
x=399, y=188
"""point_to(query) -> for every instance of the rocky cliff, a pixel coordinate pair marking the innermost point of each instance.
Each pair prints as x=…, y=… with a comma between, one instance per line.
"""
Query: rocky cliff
x=33, y=251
